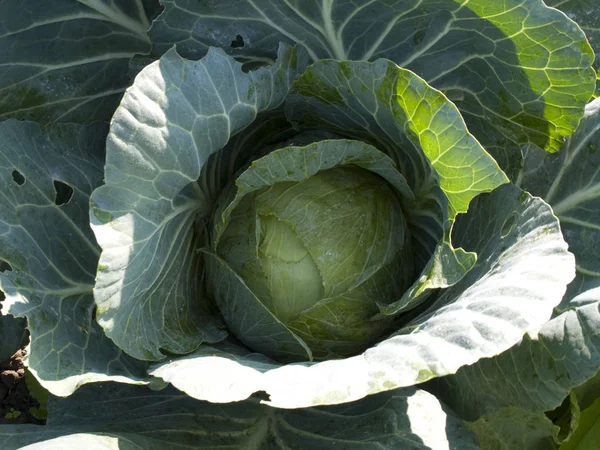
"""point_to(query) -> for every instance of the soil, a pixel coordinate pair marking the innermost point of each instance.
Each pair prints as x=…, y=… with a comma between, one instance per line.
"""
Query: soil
x=16, y=403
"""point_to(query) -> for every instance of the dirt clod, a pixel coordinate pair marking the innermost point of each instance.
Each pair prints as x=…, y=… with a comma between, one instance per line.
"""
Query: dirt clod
x=16, y=402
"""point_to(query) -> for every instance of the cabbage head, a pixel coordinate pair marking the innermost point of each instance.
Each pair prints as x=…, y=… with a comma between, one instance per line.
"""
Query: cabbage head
x=311, y=213
x=319, y=253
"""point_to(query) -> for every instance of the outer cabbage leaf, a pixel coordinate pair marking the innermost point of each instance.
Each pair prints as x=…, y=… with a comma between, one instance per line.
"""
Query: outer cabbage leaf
x=68, y=62
x=587, y=15
x=46, y=238
x=587, y=435
x=587, y=393
x=570, y=182
x=522, y=274
x=538, y=374
x=520, y=72
x=111, y=417
x=148, y=216
x=515, y=429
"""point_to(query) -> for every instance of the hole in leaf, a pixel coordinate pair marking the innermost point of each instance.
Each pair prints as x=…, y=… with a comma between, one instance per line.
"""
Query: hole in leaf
x=262, y=395
x=64, y=193
x=238, y=42
x=247, y=67
x=18, y=177
x=5, y=267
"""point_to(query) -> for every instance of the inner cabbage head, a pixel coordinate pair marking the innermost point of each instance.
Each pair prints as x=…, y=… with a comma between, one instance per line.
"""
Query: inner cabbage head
x=321, y=254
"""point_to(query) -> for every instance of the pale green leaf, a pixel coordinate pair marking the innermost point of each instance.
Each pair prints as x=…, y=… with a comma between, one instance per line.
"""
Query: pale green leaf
x=243, y=299
x=248, y=317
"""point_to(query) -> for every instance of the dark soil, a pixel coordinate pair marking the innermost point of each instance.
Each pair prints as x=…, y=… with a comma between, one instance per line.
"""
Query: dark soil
x=16, y=403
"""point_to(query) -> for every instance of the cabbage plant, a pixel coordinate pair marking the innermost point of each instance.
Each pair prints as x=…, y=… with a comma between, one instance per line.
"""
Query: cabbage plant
x=297, y=213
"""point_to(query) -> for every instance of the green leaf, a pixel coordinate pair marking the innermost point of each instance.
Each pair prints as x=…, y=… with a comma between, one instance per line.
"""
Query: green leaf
x=112, y=416
x=566, y=348
x=38, y=393
x=68, y=62
x=587, y=15
x=520, y=72
x=148, y=216
x=416, y=125
x=566, y=355
x=521, y=275
x=587, y=435
x=423, y=133
x=248, y=317
x=515, y=429
x=570, y=182
x=295, y=163
x=566, y=417
x=46, y=238
x=588, y=392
